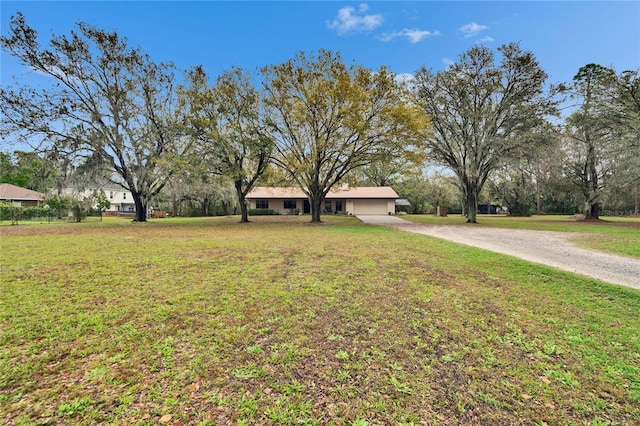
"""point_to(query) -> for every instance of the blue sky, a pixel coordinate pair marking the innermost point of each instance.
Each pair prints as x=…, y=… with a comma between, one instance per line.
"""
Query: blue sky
x=401, y=35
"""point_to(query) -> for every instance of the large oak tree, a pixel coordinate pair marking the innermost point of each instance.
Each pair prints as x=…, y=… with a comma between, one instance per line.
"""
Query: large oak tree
x=328, y=119
x=227, y=122
x=483, y=112
x=105, y=100
x=627, y=124
x=591, y=144
x=603, y=135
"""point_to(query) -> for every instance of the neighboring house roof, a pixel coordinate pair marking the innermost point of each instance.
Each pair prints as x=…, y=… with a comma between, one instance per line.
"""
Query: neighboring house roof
x=402, y=202
x=12, y=192
x=382, y=192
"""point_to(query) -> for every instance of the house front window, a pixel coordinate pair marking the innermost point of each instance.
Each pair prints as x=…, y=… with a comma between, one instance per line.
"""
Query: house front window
x=262, y=204
x=290, y=204
x=124, y=195
x=111, y=194
x=327, y=206
x=338, y=205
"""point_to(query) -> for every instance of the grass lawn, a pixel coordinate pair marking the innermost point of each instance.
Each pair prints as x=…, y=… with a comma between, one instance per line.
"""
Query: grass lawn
x=207, y=321
x=610, y=234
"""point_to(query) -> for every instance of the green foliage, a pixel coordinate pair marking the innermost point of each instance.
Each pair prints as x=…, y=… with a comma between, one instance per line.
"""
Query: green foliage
x=75, y=407
x=26, y=170
x=8, y=211
x=17, y=213
x=227, y=121
x=513, y=186
x=77, y=210
x=600, y=144
x=60, y=204
x=94, y=70
x=329, y=119
x=590, y=139
x=484, y=113
x=102, y=202
x=426, y=192
x=263, y=212
x=54, y=206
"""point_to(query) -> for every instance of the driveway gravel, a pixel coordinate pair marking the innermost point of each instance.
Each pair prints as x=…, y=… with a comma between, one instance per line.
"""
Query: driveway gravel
x=545, y=247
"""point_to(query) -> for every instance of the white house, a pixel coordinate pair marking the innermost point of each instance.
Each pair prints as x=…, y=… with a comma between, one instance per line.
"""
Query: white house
x=121, y=200
x=379, y=200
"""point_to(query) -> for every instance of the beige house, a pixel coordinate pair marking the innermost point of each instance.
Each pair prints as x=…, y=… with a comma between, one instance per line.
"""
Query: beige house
x=379, y=200
x=20, y=196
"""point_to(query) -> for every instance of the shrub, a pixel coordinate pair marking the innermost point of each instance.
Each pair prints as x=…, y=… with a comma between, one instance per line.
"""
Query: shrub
x=16, y=213
x=263, y=212
x=10, y=212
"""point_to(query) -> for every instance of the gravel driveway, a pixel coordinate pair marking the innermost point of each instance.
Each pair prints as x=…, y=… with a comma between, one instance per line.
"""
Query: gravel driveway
x=545, y=247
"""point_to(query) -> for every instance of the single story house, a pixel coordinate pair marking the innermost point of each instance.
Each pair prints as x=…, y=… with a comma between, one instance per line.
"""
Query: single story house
x=379, y=200
x=20, y=196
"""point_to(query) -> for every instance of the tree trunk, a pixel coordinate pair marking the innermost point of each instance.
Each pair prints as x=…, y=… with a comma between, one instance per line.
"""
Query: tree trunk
x=205, y=206
x=472, y=204
x=244, y=214
x=470, y=192
x=244, y=211
x=592, y=210
x=315, y=201
x=636, y=204
x=174, y=203
x=141, y=207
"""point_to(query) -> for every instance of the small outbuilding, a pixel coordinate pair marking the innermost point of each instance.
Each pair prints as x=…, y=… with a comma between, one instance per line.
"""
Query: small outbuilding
x=20, y=196
x=377, y=200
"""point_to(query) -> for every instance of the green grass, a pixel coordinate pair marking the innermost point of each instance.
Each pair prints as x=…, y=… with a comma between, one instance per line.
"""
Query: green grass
x=206, y=321
x=610, y=234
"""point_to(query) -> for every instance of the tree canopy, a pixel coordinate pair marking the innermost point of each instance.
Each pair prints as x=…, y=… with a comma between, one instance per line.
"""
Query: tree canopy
x=106, y=110
x=483, y=112
x=327, y=119
x=228, y=123
x=110, y=102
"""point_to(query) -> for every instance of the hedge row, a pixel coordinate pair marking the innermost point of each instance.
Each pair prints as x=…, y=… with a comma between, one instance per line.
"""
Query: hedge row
x=10, y=212
x=263, y=212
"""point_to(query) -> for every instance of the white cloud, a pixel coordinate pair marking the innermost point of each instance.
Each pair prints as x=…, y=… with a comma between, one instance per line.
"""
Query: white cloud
x=54, y=72
x=486, y=39
x=448, y=62
x=472, y=29
x=413, y=35
x=349, y=20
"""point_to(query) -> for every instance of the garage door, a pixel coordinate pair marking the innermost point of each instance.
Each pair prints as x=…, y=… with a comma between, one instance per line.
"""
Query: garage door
x=369, y=206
